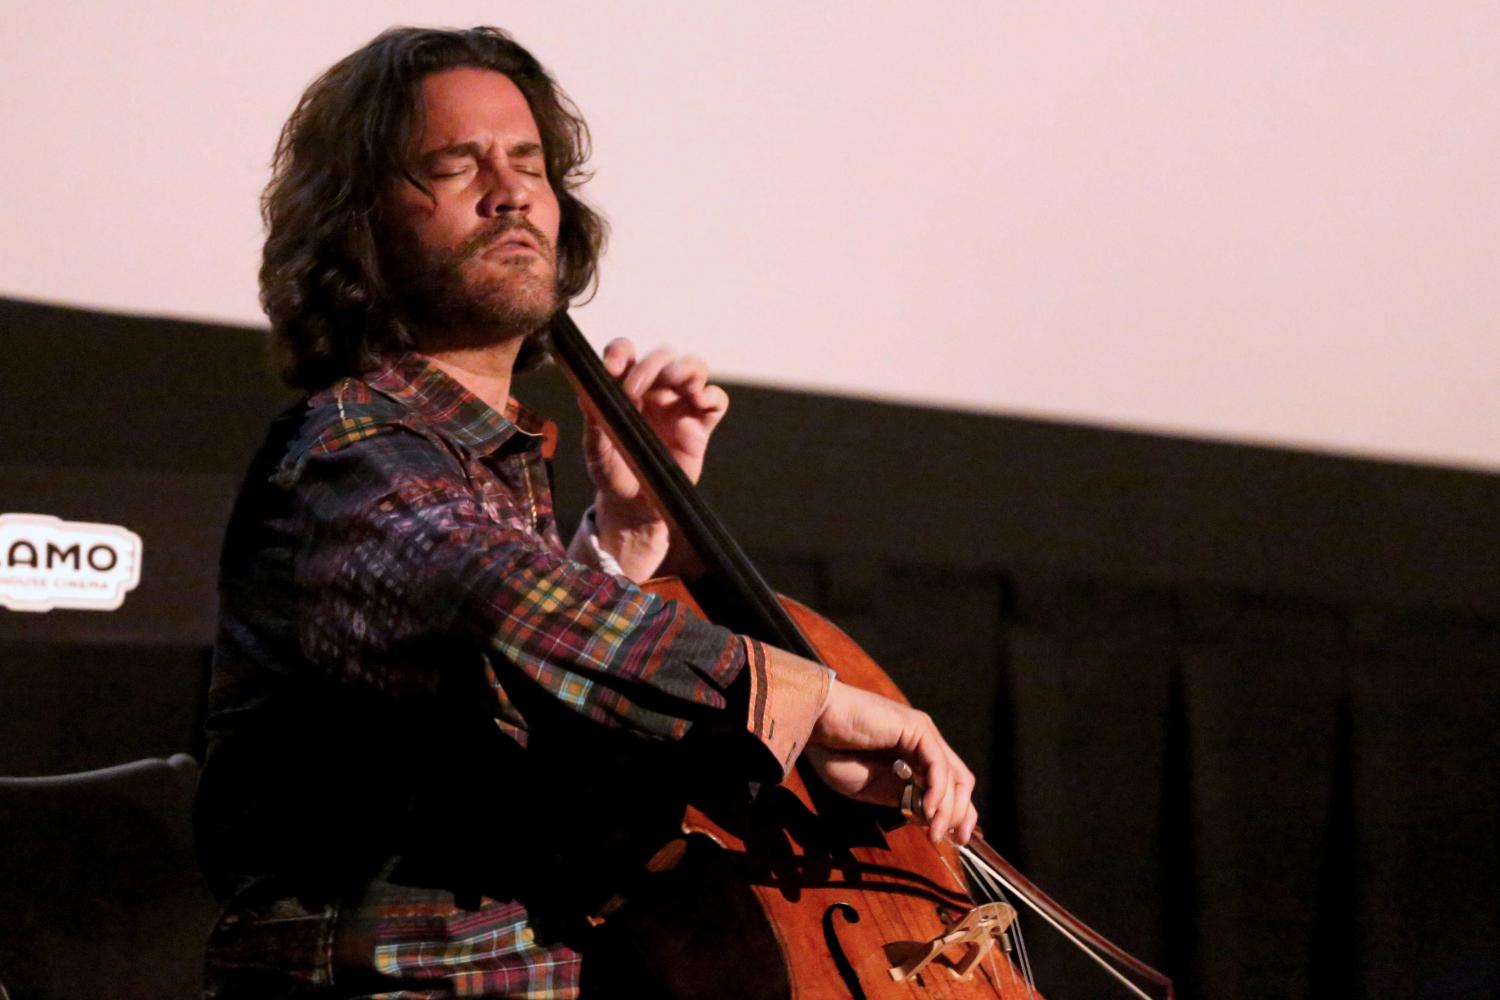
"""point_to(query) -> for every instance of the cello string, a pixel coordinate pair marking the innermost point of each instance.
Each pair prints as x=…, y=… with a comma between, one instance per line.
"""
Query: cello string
x=993, y=896
x=992, y=893
x=961, y=880
x=1082, y=946
x=996, y=893
x=994, y=882
x=991, y=874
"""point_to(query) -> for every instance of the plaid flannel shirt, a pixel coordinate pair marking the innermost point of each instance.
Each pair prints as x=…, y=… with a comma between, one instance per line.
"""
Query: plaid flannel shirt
x=407, y=663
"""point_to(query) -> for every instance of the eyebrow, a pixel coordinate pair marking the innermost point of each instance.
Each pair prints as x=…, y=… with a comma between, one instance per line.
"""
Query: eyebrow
x=520, y=150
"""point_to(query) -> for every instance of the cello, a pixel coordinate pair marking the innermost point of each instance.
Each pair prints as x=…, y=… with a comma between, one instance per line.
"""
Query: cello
x=794, y=891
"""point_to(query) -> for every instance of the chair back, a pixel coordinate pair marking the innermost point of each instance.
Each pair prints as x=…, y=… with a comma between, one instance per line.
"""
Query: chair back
x=102, y=895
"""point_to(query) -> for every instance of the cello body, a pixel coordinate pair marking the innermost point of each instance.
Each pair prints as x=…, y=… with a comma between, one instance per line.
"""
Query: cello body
x=806, y=895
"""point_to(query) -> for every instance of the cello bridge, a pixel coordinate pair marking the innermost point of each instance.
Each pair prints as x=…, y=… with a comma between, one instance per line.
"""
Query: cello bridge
x=976, y=932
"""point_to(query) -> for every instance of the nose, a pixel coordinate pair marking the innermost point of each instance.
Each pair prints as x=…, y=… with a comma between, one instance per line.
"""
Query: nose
x=509, y=192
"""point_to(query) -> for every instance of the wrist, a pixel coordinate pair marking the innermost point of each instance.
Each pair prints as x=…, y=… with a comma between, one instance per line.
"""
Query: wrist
x=637, y=538
x=585, y=547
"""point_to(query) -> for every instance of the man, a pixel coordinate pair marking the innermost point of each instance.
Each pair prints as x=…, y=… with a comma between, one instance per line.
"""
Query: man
x=418, y=694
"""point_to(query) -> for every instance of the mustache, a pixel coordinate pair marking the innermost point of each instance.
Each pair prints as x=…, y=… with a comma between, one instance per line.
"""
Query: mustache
x=482, y=239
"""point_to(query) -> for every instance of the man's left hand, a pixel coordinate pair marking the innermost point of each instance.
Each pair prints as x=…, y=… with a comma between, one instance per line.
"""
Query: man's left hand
x=673, y=393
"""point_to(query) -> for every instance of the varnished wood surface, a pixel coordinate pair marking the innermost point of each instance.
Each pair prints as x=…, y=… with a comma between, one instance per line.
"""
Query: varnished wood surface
x=821, y=868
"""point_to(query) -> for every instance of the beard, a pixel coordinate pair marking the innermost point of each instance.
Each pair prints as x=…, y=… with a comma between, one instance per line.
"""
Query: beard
x=450, y=297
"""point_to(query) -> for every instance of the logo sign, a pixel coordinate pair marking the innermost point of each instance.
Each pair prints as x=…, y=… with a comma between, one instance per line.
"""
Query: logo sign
x=47, y=563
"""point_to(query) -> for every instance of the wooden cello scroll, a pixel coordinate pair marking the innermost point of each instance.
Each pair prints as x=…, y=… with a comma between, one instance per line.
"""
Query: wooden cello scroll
x=858, y=902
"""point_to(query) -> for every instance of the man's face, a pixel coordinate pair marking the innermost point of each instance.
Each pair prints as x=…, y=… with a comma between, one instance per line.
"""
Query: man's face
x=477, y=260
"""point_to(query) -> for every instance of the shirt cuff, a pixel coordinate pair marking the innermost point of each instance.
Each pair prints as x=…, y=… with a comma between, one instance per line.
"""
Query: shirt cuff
x=585, y=547
x=787, y=694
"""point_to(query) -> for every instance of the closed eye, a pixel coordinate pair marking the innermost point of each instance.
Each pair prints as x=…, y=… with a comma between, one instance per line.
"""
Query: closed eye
x=448, y=168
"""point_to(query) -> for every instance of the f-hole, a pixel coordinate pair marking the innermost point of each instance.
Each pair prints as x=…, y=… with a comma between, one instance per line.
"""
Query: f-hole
x=841, y=960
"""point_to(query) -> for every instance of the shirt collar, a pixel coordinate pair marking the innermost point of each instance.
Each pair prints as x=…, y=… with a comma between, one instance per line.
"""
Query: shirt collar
x=458, y=414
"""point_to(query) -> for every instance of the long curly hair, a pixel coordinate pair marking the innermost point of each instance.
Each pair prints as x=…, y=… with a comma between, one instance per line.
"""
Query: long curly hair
x=353, y=133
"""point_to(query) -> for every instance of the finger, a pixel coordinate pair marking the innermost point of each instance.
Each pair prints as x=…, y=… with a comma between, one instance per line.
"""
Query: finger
x=687, y=374
x=711, y=403
x=644, y=373
x=706, y=404
x=965, y=829
x=946, y=814
x=952, y=796
x=619, y=354
x=598, y=446
x=595, y=439
x=712, y=399
x=932, y=753
x=963, y=804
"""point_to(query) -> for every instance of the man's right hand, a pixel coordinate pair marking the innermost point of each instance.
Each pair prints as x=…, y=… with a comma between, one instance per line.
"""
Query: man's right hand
x=857, y=740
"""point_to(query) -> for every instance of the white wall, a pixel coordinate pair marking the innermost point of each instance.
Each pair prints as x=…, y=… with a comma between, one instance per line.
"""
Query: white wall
x=1270, y=221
